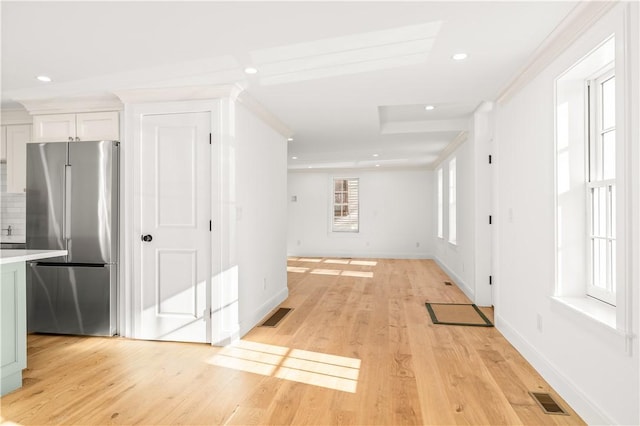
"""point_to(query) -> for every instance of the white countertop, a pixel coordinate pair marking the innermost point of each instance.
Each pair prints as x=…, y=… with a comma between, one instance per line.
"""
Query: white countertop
x=12, y=239
x=12, y=256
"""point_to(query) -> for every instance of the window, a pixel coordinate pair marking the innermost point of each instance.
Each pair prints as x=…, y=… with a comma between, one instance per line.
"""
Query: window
x=601, y=187
x=440, y=184
x=345, y=205
x=452, y=201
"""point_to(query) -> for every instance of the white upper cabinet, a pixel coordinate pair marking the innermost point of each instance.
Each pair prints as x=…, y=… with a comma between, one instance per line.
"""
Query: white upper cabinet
x=89, y=126
x=17, y=137
x=94, y=126
x=54, y=128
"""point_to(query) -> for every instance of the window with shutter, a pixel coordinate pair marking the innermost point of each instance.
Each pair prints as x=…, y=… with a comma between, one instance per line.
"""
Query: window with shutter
x=345, y=205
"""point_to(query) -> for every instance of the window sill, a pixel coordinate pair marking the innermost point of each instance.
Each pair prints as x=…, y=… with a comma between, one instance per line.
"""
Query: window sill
x=595, y=310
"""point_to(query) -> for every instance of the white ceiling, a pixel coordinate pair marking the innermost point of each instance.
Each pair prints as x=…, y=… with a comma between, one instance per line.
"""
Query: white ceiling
x=350, y=79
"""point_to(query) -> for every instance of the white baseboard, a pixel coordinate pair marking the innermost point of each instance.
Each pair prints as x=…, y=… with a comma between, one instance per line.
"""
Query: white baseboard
x=456, y=279
x=247, y=324
x=587, y=409
x=364, y=255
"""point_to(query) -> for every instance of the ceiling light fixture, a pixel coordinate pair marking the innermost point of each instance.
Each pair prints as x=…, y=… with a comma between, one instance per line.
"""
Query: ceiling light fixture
x=377, y=165
x=250, y=70
x=44, y=78
x=289, y=139
x=375, y=155
x=429, y=107
x=459, y=56
x=294, y=158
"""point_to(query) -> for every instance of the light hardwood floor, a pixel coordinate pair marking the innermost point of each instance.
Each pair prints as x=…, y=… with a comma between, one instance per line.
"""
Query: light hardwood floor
x=358, y=348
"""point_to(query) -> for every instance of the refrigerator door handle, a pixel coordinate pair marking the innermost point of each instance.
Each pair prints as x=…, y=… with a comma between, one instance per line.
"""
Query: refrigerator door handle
x=67, y=201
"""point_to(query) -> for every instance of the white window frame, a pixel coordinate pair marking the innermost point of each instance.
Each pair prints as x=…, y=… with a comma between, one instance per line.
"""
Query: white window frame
x=352, y=206
x=453, y=231
x=595, y=182
x=440, y=189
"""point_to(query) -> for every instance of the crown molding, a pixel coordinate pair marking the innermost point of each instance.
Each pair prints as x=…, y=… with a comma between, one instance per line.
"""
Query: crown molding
x=234, y=92
x=453, y=145
x=580, y=19
x=15, y=116
x=173, y=94
x=62, y=105
x=259, y=110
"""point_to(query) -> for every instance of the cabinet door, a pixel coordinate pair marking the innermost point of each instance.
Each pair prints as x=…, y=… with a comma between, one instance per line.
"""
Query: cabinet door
x=17, y=138
x=98, y=126
x=13, y=322
x=3, y=144
x=54, y=127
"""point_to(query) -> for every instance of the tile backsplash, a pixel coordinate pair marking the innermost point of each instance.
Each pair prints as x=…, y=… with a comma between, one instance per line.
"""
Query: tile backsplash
x=12, y=207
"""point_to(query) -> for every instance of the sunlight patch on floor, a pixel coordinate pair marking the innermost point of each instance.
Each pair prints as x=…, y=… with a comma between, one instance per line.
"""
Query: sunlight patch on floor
x=364, y=262
x=313, y=368
x=338, y=261
x=359, y=274
x=297, y=269
x=326, y=272
x=5, y=422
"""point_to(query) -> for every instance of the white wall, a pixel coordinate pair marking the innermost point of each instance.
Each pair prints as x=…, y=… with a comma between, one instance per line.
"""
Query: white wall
x=588, y=363
x=261, y=217
x=396, y=214
x=458, y=260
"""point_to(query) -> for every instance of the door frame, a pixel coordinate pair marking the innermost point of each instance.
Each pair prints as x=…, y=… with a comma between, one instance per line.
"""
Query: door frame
x=130, y=227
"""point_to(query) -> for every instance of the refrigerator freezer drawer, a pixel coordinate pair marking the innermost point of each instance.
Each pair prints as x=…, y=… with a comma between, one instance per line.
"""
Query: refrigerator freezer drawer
x=71, y=299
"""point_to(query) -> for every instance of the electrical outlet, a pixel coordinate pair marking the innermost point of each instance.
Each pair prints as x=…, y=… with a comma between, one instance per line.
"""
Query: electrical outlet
x=539, y=322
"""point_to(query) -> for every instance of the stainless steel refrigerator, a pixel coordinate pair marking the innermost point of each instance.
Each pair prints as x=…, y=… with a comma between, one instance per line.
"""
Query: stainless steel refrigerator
x=72, y=204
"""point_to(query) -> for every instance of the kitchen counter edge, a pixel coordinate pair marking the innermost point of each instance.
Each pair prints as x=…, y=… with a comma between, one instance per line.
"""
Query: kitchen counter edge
x=13, y=256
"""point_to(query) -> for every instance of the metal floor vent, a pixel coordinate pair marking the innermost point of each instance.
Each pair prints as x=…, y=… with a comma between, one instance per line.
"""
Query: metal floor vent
x=447, y=283
x=277, y=316
x=548, y=404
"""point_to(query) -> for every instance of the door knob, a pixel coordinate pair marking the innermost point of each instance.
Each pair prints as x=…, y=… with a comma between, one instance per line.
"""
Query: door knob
x=147, y=238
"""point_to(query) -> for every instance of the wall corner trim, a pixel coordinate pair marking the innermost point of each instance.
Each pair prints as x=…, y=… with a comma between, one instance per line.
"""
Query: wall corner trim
x=580, y=19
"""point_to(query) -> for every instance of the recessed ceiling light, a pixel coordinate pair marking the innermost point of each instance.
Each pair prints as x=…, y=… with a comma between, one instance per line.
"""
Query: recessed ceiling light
x=429, y=107
x=289, y=139
x=459, y=56
x=294, y=158
x=377, y=165
x=310, y=167
x=250, y=70
x=44, y=78
x=375, y=155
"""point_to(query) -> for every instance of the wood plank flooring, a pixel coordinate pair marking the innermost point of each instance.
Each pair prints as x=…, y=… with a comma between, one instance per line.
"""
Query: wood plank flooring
x=359, y=348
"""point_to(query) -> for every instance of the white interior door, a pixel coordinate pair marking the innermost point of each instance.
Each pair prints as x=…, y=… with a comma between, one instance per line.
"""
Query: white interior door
x=175, y=217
